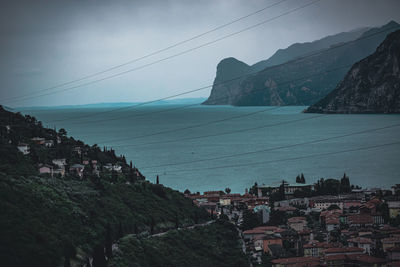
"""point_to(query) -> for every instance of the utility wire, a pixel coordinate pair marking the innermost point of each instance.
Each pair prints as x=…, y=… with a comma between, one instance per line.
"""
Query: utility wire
x=153, y=53
x=308, y=55
x=285, y=159
x=174, y=55
x=274, y=148
x=225, y=119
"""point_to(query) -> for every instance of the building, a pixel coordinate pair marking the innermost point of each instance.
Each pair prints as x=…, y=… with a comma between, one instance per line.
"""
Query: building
x=394, y=208
x=263, y=212
x=342, y=251
x=361, y=242
x=390, y=242
x=393, y=254
x=24, y=148
x=260, y=231
x=59, y=162
x=49, y=143
x=269, y=241
x=323, y=204
x=296, y=261
x=315, y=249
x=45, y=169
x=38, y=140
x=297, y=223
x=289, y=189
x=77, y=169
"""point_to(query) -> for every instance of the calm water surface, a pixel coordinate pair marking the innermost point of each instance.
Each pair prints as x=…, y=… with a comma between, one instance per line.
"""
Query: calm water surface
x=149, y=137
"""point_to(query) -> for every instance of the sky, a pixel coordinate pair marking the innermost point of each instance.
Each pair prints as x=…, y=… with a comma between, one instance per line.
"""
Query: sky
x=47, y=43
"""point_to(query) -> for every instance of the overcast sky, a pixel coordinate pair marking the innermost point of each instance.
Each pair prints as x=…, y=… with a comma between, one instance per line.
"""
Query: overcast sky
x=45, y=43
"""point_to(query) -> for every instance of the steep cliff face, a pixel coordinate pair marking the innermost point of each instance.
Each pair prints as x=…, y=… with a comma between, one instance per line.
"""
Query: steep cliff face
x=226, y=85
x=285, y=84
x=371, y=86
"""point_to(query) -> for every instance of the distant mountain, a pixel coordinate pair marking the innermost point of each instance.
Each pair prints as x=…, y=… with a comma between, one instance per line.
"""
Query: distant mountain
x=178, y=101
x=371, y=86
x=285, y=84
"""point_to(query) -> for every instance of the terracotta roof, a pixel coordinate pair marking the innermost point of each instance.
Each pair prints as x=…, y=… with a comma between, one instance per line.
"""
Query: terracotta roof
x=361, y=240
x=393, y=249
x=389, y=240
x=296, y=219
x=394, y=264
x=317, y=245
x=342, y=250
x=360, y=219
x=295, y=260
x=261, y=230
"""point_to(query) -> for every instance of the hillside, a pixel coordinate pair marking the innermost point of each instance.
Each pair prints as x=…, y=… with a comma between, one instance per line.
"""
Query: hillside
x=64, y=203
x=371, y=86
x=213, y=245
x=285, y=84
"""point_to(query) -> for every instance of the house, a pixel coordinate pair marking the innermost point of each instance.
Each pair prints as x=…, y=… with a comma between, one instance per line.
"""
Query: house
x=59, y=162
x=360, y=220
x=260, y=231
x=323, y=204
x=59, y=171
x=361, y=242
x=315, y=249
x=354, y=260
x=394, y=208
x=297, y=223
x=269, y=240
x=38, y=140
x=49, y=143
x=390, y=242
x=342, y=251
x=77, y=169
x=45, y=169
x=393, y=254
x=289, y=189
x=24, y=148
x=296, y=261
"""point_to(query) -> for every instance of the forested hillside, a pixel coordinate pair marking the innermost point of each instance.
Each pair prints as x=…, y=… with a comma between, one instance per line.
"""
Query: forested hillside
x=71, y=215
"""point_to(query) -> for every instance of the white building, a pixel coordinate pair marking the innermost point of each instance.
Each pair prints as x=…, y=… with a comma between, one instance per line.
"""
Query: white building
x=24, y=148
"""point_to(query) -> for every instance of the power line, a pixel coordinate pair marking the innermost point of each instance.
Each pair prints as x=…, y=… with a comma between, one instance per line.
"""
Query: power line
x=274, y=148
x=225, y=119
x=285, y=159
x=230, y=80
x=155, y=52
x=175, y=55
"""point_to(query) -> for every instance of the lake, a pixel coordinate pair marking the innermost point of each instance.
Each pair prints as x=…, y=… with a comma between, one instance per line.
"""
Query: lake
x=213, y=147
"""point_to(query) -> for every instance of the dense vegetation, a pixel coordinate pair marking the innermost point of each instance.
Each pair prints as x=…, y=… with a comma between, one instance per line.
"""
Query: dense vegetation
x=64, y=221
x=214, y=245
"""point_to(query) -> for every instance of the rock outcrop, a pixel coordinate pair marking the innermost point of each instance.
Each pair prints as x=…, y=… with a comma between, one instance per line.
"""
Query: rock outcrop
x=371, y=86
x=295, y=80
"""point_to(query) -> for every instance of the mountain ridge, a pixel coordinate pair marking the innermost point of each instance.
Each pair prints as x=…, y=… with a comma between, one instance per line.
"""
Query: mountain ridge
x=372, y=85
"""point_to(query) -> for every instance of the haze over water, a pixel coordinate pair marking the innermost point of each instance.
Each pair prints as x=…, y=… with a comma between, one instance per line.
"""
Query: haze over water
x=369, y=168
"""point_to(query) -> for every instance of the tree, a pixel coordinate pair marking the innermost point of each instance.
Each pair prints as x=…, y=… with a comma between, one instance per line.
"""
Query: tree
x=345, y=184
x=108, y=242
x=187, y=192
x=62, y=132
x=282, y=190
x=333, y=207
x=227, y=190
x=302, y=179
x=157, y=180
x=250, y=220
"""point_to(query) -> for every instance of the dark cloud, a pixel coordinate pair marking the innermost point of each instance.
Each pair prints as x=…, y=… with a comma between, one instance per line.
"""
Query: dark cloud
x=47, y=42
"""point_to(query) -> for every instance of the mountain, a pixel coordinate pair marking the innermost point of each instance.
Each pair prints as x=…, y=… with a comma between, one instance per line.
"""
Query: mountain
x=371, y=86
x=72, y=217
x=299, y=49
x=299, y=81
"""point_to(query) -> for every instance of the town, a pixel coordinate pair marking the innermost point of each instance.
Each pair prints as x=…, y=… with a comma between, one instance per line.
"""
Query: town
x=330, y=223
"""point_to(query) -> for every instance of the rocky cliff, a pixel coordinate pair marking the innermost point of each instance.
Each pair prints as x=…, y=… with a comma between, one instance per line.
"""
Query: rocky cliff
x=285, y=83
x=371, y=86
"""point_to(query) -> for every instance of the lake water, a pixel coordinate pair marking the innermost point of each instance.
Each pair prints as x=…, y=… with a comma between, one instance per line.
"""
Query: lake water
x=159, y=138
